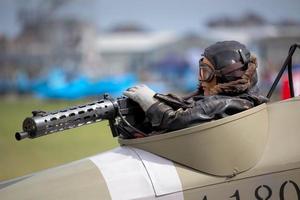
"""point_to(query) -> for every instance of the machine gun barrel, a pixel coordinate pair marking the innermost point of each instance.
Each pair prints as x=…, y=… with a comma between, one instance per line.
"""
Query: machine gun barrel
x=44, y=123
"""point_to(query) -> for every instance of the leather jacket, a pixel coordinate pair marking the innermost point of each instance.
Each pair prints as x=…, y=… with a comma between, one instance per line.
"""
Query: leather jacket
x=164, y=116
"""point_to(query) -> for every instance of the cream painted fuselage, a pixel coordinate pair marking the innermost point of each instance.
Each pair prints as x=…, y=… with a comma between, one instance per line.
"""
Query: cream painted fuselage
x=132, y=172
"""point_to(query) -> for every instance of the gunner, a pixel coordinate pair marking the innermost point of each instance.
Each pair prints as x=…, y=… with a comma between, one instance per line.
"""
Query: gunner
x=227, y=85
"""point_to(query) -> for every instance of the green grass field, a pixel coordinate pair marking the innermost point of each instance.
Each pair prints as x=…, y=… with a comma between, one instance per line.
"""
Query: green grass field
x=18, y=158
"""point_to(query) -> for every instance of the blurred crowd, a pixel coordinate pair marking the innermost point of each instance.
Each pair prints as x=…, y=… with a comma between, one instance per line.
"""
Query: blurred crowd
x=70, y=59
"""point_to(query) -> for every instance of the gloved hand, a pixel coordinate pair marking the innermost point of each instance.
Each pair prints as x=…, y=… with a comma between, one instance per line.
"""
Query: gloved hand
x=141, y=94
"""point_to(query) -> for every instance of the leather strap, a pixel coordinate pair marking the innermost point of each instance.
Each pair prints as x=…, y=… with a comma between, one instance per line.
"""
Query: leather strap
x=231, y=68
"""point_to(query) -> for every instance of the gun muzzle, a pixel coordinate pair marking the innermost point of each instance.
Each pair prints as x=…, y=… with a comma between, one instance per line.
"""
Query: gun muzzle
x=21, y=135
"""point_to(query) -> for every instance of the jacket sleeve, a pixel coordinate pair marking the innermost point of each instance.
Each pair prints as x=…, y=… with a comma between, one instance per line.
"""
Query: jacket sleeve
x=165, y=118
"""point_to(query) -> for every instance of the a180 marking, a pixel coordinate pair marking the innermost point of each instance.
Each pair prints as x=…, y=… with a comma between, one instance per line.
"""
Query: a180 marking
x=264, y=192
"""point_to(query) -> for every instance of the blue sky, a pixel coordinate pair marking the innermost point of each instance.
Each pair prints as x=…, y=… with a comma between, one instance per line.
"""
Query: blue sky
x=171, y=15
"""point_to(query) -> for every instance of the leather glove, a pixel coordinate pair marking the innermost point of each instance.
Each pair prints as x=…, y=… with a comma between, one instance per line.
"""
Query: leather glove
x=141, y=94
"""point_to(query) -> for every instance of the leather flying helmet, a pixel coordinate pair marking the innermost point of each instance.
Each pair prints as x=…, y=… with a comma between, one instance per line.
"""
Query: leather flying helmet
x=229, y=58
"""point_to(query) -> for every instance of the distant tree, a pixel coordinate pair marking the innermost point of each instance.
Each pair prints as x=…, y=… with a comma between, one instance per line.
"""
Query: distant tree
x=128, y=27
x=248, y=19
x=31, y=12
x=289, y=22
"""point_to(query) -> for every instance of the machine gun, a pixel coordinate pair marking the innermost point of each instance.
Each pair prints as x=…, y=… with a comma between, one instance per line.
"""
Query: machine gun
x=126, y=118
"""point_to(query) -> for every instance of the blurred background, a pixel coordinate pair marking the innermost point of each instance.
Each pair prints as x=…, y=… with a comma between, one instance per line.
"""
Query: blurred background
x=58, y=53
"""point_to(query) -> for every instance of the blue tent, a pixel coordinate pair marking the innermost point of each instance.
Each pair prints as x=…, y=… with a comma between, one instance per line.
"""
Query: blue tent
x=56, y=85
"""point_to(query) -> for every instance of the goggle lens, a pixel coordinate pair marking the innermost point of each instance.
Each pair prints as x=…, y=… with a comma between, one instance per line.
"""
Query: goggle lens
x=206, y=73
